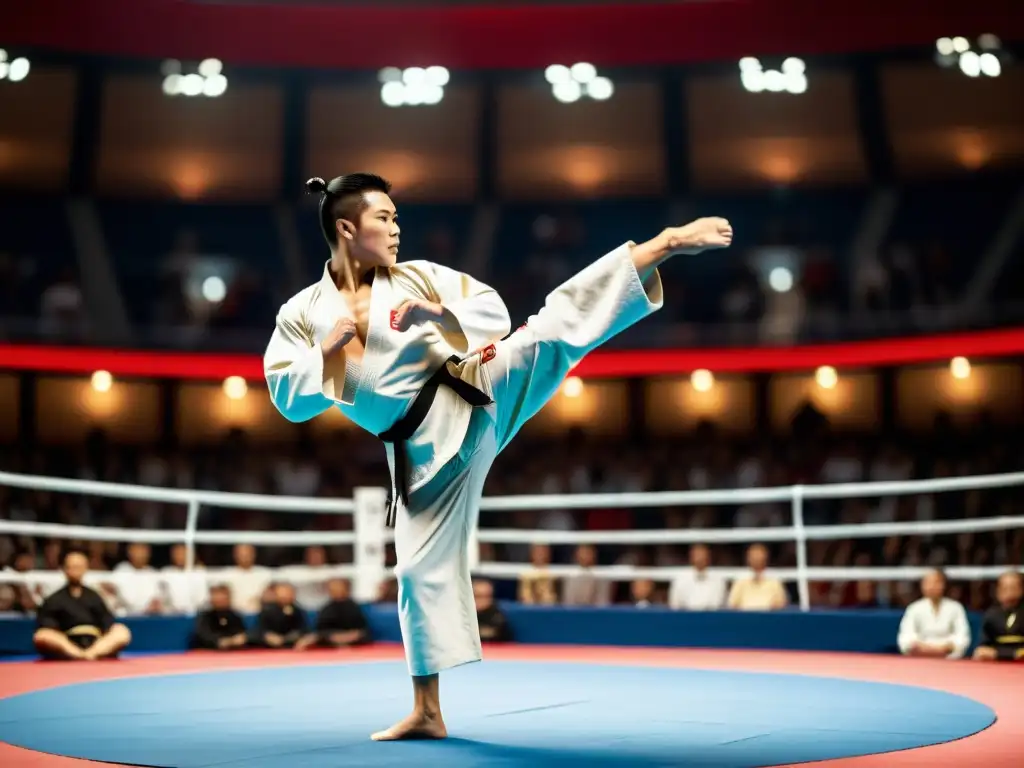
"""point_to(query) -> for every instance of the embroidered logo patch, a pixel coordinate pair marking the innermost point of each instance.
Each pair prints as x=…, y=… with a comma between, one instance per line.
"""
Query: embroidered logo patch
x=394, y=319
x=487, y=354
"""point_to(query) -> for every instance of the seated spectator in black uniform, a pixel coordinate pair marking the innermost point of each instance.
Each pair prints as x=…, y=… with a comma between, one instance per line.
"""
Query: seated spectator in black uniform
x=74, y=623
x=340, y=623
x=494, y=626
x=280, y=624
x=220, y=627
x=1002, y=629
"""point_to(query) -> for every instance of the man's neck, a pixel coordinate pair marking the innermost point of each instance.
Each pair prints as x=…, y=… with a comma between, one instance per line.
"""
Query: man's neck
x=348, y=273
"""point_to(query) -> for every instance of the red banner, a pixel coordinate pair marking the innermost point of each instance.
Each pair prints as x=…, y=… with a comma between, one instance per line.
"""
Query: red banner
x=600, y=364
x=530, y=36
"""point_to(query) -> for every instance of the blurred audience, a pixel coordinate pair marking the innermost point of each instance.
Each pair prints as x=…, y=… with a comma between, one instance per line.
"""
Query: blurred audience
x=74, y=623
x=584, y=587
x=1002, y=629
x=494, y=627
x=698, y=589
x=340, y=623
x=537, y=586
x=935, y=625
x=757, y=592
x=281, y=623
x=219, y=627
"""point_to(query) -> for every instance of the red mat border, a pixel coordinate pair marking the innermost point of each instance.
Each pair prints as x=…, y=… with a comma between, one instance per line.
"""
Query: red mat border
x=997, y=686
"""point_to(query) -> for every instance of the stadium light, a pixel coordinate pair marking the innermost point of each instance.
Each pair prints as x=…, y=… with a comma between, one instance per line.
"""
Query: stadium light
x=15, y=71
x=983, y=59
x=208, y=79
x=960, y=368
x=570, y=84
x=235, y=387
x=414, y=86
x=702, y=380
x=791, y=78
x=214, y=290
x=102, y=381
x=572, y=387
x=826, y=377
x=780, y=280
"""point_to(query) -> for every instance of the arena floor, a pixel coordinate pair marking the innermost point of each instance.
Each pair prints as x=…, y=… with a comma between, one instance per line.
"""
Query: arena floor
x=526, y=706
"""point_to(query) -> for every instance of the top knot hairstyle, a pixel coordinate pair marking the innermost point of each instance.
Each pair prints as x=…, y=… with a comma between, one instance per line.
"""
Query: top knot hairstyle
x=343, y=198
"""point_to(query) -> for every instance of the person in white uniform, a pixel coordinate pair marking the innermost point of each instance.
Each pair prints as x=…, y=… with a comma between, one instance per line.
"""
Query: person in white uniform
x=935, y=625
x=421, y=355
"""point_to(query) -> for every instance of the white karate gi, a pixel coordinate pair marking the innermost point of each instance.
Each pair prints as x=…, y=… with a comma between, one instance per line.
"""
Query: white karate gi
x=923, y=623
x=453, y=449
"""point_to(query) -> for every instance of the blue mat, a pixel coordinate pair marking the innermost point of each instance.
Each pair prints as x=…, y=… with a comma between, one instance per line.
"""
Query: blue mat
x=498, y=714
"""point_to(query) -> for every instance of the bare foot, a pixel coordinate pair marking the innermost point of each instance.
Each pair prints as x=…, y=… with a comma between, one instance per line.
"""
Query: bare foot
x=701, y=235
x=418, y=725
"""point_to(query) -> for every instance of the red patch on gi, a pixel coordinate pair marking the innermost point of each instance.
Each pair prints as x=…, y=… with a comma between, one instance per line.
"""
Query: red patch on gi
x=394, y=319
x=487, y=354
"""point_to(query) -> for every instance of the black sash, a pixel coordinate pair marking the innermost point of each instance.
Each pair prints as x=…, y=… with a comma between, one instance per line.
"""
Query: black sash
x=406, y=427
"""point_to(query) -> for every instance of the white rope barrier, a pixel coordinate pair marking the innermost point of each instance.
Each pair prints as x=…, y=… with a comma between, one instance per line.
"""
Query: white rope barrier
x=788, y=575
x=749, y=535
x=370, y=535
x=740, y=496
x=253, y=501
x=150, y=536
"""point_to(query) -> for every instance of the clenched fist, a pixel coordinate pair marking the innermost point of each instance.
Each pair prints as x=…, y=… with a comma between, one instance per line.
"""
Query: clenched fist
x=414, y=312
x=341, y=334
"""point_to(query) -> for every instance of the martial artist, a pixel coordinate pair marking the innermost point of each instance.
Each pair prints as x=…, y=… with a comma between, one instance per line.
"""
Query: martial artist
x=420, y=355
x=281, y=623
x=74, y=623
x=339, y=624
x=220, y=627
x=1002, y=629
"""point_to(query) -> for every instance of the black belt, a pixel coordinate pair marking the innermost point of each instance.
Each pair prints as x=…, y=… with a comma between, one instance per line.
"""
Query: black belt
x=406, y=427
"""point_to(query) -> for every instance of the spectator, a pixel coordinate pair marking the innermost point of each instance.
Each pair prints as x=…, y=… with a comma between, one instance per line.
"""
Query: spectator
x=220, y=627
x=698, y=589
x=74, y=622
x=934, y=625
x=341, y=623
x=1002, y=630
x=584, y=588
x=641, y=592
x=280, y=624
x=182, y=590
x=140, y=593
x=536, y=584
x=311, y=592
x=247, y=580
x=494, y=627
x=757, y=592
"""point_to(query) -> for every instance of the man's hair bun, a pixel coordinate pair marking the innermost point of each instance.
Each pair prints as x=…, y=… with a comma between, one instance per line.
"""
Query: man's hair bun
x=316, y=186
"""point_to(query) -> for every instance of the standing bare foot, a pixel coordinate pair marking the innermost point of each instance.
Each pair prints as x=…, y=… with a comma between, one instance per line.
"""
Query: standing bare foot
x=700, y=235
x=418, y=725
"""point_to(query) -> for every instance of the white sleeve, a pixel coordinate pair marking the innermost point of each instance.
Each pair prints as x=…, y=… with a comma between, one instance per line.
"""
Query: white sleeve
x=675, y=594
x=478, y=310
x=961, y=633
x=908, y=630
x=294, y=368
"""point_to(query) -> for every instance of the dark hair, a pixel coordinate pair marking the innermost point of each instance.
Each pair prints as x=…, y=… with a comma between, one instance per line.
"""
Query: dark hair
x=342, y=198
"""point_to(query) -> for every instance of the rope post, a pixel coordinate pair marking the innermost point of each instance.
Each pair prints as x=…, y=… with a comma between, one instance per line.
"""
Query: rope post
x=191, y=523
x=369, y=521
x=803, y=588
